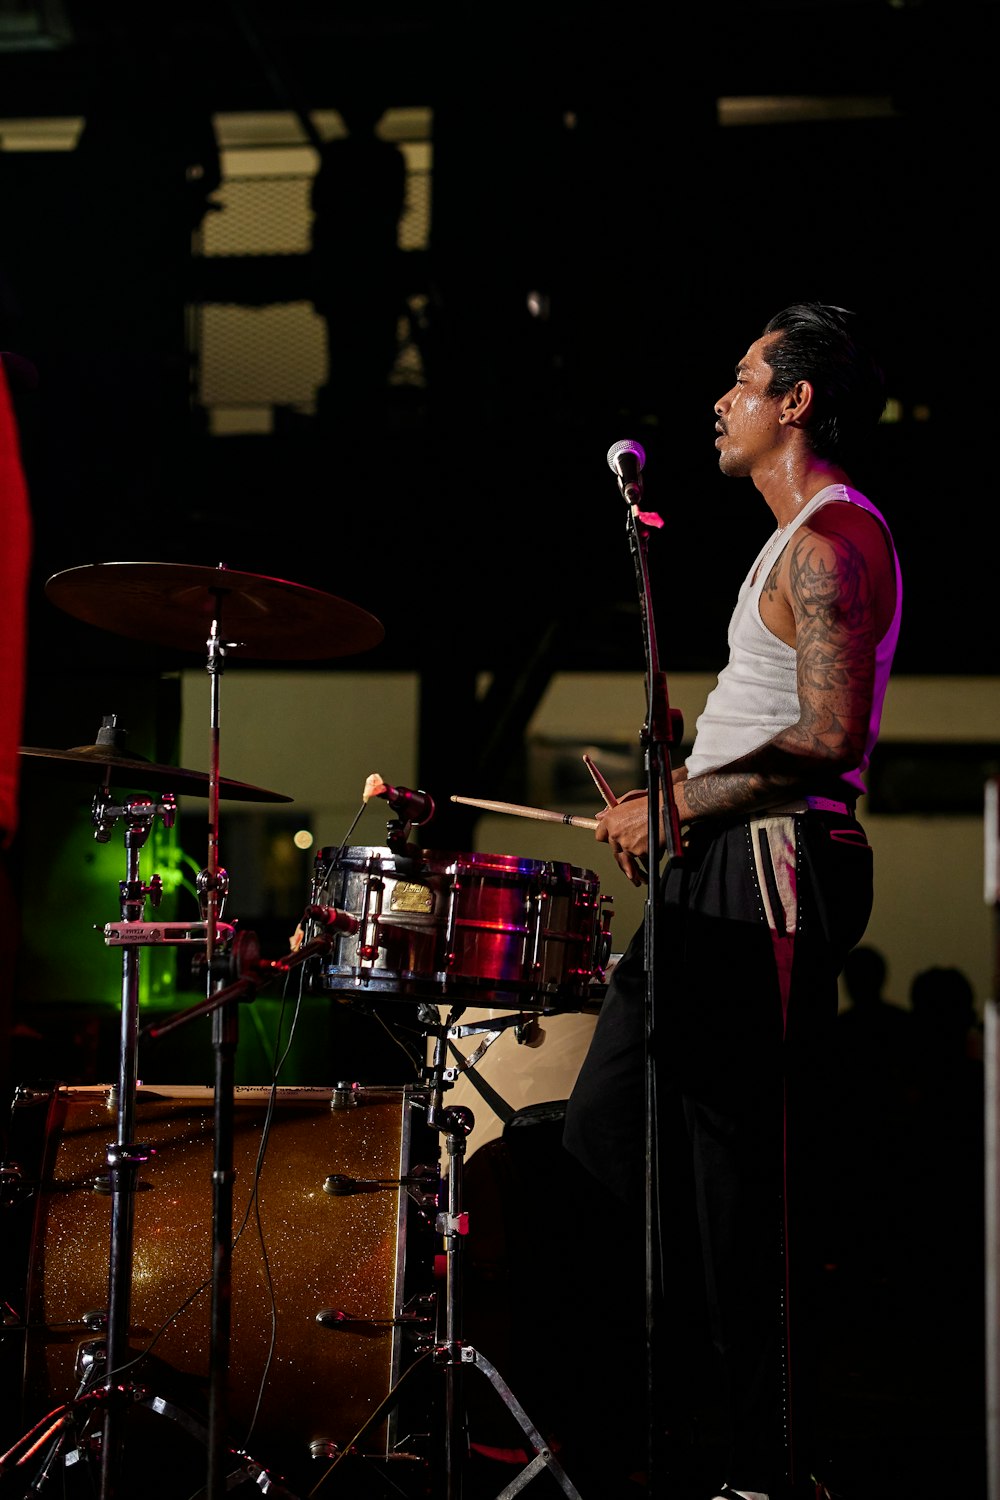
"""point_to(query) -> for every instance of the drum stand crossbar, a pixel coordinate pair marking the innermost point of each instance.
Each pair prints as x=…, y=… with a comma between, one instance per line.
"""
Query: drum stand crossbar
x=452, y=1355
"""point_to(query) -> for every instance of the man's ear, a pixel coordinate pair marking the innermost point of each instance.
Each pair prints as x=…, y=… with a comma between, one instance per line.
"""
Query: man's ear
x=796, y=406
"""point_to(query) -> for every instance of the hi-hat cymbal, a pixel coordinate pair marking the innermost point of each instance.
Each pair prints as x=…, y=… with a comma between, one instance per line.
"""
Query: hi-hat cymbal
x=104, y=764
x=171, y=604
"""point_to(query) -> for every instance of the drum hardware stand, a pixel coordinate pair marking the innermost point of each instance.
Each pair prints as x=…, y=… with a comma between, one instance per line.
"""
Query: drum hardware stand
x=453, y=1355
x=663, y=728
x=467, y=1065
x=125, y=1156
x=258, y=606
x=251, y=973
x=212, y=885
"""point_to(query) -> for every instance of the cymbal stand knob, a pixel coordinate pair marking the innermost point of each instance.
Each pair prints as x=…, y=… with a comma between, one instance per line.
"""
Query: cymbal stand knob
x=110, y=733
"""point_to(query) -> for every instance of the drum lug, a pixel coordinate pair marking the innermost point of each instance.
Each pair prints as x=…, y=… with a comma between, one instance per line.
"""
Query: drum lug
x=92, y=1355
x=423, y=1185
x=323, y=1448
x=15, y=1186
x=368, y=947
x=25, y=1095
x=129, y=1156
x=527, y=1032
x=346, y=1095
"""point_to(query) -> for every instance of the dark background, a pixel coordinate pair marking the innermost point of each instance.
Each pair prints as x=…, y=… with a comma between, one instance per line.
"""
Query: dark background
x=479, y=522
x=663, y=241
x=476, y=517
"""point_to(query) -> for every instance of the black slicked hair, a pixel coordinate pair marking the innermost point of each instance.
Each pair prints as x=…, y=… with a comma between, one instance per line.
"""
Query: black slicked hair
x=829, y=347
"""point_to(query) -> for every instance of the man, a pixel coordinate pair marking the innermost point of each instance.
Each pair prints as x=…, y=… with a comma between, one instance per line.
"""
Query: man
x=769, y=891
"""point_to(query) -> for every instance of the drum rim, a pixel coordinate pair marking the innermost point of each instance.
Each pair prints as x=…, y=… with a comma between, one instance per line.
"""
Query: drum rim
x=447, y=861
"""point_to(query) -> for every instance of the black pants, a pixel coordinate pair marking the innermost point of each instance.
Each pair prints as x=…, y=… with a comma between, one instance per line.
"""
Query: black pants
x=757, y=920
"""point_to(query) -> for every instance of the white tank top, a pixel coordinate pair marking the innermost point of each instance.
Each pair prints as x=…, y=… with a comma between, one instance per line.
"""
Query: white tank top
x=756, y=694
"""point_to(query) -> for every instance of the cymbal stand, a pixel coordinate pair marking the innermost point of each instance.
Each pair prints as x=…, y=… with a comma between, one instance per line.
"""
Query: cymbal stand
x=455, y=1123
x=213, y=886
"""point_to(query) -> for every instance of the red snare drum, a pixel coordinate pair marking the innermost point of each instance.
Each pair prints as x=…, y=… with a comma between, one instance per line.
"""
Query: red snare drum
x=502, y=931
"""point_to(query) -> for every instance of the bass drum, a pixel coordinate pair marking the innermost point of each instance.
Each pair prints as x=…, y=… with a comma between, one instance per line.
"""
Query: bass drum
x=490, y=928
x=534, y=1061
x=322, y=1230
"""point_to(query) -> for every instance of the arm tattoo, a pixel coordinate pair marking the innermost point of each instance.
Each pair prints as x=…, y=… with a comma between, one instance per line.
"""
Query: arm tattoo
x=831, y=599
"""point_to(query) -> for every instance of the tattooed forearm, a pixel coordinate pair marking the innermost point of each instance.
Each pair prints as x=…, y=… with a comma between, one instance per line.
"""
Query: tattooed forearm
x=721, y=792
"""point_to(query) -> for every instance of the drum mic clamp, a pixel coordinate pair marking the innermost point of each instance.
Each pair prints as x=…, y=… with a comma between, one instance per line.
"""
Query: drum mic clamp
x=412, y=807
x=335, y=1317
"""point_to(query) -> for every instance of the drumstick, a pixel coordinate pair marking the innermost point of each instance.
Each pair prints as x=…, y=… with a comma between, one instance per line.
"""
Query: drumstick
x=540, y=813
x=610, y=800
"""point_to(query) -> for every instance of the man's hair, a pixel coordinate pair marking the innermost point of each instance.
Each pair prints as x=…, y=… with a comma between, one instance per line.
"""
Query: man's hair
x=827, y=346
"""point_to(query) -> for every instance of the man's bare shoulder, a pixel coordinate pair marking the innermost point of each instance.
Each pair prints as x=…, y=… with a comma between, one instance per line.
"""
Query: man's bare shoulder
x=840, y=523
x=844, y=550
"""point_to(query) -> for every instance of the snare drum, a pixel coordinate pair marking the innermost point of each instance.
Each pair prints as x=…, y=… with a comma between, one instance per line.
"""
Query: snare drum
x=498, y=930
x=321, y=1268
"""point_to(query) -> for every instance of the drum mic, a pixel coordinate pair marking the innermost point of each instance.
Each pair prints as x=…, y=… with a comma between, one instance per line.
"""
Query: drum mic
x=412, y=807
x=626, y=460
x=331, y=919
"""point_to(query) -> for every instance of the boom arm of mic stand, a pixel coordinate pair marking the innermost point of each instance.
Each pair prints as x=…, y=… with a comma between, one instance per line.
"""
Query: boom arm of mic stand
x=246, y=987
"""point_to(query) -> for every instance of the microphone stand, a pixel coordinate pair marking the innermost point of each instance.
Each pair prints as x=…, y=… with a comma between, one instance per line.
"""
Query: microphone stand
x=662, y=728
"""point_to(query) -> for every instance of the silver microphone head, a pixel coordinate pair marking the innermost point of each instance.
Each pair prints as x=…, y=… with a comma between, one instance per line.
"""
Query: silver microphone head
x=627, y=445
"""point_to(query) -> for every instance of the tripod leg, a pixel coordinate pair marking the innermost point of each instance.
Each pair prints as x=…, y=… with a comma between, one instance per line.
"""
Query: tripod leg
x=544, y=1457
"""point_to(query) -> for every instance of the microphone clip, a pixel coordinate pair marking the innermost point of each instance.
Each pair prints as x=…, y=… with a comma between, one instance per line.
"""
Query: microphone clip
x=626, y=460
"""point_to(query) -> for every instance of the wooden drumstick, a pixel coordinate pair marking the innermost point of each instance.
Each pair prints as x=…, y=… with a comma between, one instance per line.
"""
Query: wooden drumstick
x=610, y=800
x=539, y=813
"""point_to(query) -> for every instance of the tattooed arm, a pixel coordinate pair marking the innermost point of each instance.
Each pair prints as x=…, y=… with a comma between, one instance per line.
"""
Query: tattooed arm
x=830, y=596
x=820, y=598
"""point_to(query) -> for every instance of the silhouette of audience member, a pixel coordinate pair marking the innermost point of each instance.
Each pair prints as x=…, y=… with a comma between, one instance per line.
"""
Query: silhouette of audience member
x=875, y=1032
x=874, y=1092
x=949, y=1113
x=946, y=1264
x=357, y=199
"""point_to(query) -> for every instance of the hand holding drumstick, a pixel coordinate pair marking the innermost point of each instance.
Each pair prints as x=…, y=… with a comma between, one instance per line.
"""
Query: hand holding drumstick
x=632, y=865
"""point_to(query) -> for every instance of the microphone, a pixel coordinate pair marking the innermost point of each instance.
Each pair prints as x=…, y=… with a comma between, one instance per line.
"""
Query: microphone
x=412, y=807
x=332, y=919
x=626, y=460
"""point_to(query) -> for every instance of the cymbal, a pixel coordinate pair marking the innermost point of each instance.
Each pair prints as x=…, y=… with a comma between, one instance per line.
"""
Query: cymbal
x=171, y=604
x=104, y=764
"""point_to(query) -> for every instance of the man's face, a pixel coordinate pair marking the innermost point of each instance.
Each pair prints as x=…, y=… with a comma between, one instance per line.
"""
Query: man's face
x=747, y=422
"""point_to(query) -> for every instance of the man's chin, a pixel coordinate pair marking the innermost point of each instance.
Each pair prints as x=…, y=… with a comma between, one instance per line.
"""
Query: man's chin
x=732, y=466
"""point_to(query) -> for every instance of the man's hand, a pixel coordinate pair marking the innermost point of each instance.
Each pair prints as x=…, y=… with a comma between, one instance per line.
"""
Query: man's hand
x=624, y=828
